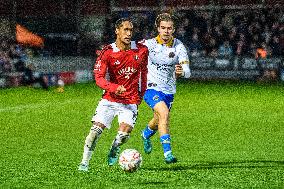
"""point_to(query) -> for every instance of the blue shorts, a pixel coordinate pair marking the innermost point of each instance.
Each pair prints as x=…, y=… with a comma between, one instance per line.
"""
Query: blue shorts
x=152, y=97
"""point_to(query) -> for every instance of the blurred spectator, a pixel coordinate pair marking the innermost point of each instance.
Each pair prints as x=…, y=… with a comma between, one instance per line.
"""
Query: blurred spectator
x=241, y=46
x=4, y=46
x=266, y=34
x=20, y=66
x=18, y=52
x=30, y=78
x=214, y=53
x=252, y=49
x=225, y=50
x=181, y=35
x=5, y=62
x=232, y=35
x=195, y=47
x=275, y=45
x=281, y=41
x=218, y=34
x=261, y=54
x=227, y=21
x=262, y=51
x=211, y=46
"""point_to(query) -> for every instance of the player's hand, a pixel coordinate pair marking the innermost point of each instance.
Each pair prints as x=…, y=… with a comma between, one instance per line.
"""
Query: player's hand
x=120, y=90
x=178, y=70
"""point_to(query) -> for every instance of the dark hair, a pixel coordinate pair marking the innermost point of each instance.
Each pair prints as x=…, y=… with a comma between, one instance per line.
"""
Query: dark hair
x=164, y=17
x=119, y=22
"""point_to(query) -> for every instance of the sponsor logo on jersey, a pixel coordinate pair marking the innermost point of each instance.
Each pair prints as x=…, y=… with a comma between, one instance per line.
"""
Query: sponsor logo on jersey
x=98, y=66
x=116, y=62
x=127, y=72
x=152, y=84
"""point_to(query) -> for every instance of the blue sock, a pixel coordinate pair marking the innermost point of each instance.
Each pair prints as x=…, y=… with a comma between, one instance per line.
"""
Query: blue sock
x=147, y=132
x=166, y=143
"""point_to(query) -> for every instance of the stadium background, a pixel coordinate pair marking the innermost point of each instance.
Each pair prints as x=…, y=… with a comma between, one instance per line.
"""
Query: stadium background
x=223, y=37
x=226, y=134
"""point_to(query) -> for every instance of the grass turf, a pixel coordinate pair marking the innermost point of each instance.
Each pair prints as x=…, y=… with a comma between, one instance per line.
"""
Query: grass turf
x=225, y=135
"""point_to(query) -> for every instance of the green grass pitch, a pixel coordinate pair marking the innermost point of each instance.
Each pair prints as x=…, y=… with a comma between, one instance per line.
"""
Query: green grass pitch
x=225, y=135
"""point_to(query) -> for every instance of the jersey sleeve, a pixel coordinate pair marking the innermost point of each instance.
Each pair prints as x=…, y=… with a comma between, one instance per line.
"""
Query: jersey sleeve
x=100, y=70
x=182, y=54
x=184, y=60
x=144, y=71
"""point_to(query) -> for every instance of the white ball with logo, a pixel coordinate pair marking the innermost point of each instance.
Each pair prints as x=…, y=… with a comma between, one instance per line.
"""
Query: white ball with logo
x=130, y=160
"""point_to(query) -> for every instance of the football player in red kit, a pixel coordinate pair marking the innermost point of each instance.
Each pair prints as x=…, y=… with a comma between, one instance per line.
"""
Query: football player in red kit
x=125, y=61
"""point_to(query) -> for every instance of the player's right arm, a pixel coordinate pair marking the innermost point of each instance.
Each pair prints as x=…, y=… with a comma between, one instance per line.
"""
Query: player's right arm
x=100, y=70
x=144, y=72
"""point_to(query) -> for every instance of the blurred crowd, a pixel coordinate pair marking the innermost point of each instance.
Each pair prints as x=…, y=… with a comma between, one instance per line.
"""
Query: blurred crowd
x=257, y=33
x=227, y=33
x=12, y=56
x=14, y=59
x=251, y=32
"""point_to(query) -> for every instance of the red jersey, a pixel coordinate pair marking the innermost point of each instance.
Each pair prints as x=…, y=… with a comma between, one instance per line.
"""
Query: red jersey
x=127, y=68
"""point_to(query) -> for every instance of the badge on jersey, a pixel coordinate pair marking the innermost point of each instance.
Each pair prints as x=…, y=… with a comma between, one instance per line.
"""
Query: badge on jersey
x=156, y=97
x=171, y=54
x=136, y=57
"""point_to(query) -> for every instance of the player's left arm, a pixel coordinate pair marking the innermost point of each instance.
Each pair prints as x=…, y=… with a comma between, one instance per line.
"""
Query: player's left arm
x=186, y=73
x=182, y=69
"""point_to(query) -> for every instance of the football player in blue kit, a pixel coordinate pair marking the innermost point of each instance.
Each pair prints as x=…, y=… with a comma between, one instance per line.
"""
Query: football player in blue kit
x=167, y=60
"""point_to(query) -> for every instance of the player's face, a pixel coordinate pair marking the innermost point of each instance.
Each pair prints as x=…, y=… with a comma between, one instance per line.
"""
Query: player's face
x=124, y=33
x=166, y=30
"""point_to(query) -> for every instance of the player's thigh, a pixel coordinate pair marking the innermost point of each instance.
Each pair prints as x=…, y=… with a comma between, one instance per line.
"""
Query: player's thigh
x=128, y=114
x=105, y=113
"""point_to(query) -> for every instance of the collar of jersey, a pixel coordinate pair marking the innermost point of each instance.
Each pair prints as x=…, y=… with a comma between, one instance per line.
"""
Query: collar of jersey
x=169, y=44
x=115, y=49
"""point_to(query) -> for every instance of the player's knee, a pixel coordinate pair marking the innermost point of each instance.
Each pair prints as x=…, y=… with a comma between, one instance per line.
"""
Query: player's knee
x=156, y=121
x=96, y=130
x=153, y=123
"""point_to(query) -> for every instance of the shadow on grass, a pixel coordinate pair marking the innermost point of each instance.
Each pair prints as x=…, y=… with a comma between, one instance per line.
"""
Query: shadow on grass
x=250, y=164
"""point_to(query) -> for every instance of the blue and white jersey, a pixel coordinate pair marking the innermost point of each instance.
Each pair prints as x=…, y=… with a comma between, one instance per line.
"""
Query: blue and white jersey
x=161, y=64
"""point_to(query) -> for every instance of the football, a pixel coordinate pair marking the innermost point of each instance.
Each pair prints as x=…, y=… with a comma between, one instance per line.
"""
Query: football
x=130, y=160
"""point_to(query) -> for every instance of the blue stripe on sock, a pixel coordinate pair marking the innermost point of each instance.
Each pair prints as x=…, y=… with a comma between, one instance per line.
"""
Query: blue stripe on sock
x=147, y=133
x=166, y=142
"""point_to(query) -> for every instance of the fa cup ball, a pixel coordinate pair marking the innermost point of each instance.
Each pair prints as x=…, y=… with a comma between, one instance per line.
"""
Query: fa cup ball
x=130, y=160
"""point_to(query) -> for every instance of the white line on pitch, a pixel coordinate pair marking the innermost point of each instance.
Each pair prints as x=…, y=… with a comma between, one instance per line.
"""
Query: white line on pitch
x=35, y=106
